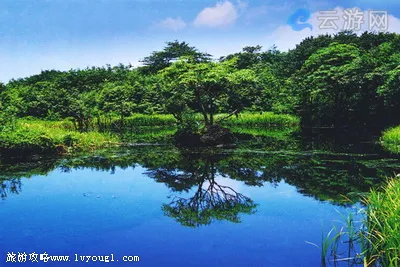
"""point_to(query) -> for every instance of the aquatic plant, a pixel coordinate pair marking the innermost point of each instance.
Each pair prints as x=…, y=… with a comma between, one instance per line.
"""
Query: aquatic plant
x=383, y=224
x=373, y=241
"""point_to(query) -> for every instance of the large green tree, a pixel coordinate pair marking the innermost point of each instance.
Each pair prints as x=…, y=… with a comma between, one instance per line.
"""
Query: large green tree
x=207, y=88
x=327, y=87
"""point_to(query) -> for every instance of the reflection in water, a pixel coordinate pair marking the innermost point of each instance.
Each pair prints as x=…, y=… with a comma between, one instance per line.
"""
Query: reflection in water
x=211, y=200
x=333, y=177
x=12, y=186
x=215, y=202
x=87, y=211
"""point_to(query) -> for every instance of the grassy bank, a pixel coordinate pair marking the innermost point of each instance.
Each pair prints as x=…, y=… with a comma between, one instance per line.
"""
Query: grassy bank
x=383, y=224
x=32, y=136
x=265, y=119
x=37, y=137
x=391, y=140
x=149, y=134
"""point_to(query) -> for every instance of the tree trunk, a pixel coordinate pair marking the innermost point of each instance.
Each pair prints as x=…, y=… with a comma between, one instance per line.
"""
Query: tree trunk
x=206, y=121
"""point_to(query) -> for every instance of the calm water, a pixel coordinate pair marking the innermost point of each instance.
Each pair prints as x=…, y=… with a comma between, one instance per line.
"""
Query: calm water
x=182, y=208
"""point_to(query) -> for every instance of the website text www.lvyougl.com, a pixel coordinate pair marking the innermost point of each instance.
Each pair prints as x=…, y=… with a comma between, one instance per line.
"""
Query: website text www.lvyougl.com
x=45, y=257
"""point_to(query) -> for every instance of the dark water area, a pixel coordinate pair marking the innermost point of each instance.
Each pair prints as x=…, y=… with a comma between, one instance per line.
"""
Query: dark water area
x=261, y=204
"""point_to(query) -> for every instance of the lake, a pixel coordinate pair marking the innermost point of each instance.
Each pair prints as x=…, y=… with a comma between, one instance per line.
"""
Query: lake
x=251, y=206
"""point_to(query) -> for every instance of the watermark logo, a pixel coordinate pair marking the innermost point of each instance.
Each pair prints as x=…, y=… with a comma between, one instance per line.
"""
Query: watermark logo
x=298, y=20
x=351, y=19
x=378, y=20
x=328, y=19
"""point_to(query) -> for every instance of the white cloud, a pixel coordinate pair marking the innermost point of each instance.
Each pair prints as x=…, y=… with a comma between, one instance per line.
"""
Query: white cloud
x=223, y=14
x=173, y=24
x=287, y=38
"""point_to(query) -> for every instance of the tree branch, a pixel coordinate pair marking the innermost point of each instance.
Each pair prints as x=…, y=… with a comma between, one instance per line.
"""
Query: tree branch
x=227, y=117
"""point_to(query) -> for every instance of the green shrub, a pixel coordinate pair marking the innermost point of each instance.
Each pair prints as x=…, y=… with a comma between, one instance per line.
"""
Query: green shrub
x=33, y=136
x=70, y=140
x=22, y=141
x=391, y=140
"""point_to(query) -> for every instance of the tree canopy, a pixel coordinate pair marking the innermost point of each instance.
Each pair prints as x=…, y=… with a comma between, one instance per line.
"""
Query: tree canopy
x=337, y=80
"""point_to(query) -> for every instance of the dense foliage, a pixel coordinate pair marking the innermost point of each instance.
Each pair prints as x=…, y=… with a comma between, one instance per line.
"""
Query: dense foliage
x=391, y=140
x=329, y=81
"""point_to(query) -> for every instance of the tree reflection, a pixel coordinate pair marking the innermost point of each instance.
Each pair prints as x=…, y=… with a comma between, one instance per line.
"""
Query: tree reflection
x=324, y=176
x=12, y=186
x=211, y=200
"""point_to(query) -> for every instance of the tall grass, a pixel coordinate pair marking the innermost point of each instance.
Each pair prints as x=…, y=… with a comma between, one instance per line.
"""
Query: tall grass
x=243, y=119
x=151, y=120
x=391, y=140
x=274, y=132
x=259, y=120
x=375, y=241
x=146, y=134
x=136, y=120
x=38, y=136
x=383, y=224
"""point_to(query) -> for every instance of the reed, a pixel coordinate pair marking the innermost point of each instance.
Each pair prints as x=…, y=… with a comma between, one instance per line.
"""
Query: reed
x=383, y=224
x=375, y=240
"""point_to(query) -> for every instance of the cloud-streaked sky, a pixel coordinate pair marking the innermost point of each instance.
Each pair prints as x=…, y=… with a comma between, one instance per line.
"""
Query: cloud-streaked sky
x=62, y=34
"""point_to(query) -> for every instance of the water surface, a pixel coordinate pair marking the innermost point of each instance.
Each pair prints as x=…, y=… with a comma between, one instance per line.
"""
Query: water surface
x=173, y=207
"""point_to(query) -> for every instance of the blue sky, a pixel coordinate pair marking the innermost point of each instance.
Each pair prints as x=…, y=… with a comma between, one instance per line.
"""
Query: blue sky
x=63, y=34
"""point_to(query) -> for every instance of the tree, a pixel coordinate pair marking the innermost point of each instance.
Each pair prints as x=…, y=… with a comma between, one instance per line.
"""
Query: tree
x=390, y=90
x=81, y=109
x=208, y=88
x=117, y=98
x=378, y=76
x=3, y=97
x=327, y=86
x=250, y=56
x=271, y=87
x=298, y=56
x=159, y=60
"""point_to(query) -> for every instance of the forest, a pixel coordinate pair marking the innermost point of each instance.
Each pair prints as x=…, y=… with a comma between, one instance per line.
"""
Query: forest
x=330, y=81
